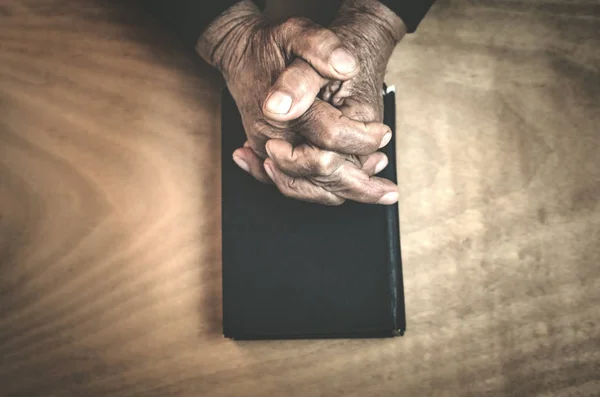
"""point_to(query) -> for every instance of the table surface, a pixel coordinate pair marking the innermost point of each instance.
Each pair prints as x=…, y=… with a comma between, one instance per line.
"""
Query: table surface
x=110, y=258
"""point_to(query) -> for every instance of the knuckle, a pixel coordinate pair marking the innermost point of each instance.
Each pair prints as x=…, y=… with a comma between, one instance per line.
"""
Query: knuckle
x=332, y=182
x=327, y=140
x=325, y=163
x=291, y=185
x=328, y=137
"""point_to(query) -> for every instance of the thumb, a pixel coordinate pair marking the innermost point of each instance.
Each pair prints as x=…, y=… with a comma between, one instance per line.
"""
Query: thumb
x=294, y=92
x=319, y=47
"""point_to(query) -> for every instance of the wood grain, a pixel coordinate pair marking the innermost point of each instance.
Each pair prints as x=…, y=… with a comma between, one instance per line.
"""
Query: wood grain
x=110, y=203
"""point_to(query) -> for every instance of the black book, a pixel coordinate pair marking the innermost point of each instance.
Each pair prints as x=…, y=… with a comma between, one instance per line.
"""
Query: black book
x=299, y=270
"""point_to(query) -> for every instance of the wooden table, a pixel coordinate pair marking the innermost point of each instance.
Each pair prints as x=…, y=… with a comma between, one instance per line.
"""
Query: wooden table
x=110, y=212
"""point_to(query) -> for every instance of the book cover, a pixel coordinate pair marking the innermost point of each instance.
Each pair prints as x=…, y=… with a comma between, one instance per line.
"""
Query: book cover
x=293, y=269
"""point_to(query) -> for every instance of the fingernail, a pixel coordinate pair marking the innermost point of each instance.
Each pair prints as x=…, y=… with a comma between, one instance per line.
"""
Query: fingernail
x=381, y=165
x=342, y=61
x=269, y=171
x=386, y=139
x=241, y=163
x=279, y=103
x=389, y=198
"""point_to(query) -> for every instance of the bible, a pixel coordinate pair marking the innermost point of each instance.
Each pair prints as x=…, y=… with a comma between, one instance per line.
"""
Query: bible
x=293, y=269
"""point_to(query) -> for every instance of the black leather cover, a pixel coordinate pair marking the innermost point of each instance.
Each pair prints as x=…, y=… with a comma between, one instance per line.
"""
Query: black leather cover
x=298, y=270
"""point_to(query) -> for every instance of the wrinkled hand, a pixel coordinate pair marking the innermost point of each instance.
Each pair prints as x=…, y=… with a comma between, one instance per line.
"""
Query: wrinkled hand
x=370, y=31
x=310, y=139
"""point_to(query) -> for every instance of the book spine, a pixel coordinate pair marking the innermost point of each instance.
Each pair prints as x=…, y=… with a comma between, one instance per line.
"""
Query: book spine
x=392, y=221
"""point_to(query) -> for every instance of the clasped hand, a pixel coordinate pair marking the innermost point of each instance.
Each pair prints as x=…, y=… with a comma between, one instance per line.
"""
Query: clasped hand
x=310, y=99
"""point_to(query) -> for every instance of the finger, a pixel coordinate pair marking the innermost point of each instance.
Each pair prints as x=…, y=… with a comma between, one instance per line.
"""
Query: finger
x=294, y=92
x=374, y=163
x=300, y=188
x=329, y=90
x=335, y=173
x=320, y=47
x=247, y=160
x=367, y=110
x=303, y=160
x=326, y=127
x=354, y=184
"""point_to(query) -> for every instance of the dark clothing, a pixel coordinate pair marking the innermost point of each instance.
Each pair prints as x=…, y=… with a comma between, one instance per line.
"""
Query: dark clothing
x=410, y=11
x=188, y=18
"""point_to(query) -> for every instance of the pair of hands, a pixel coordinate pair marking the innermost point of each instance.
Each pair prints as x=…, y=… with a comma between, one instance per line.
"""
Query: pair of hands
x=310, y=98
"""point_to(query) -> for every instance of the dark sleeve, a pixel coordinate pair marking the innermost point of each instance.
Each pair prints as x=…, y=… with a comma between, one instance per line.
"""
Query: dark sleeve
x=187, y=18
x=411, y=11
